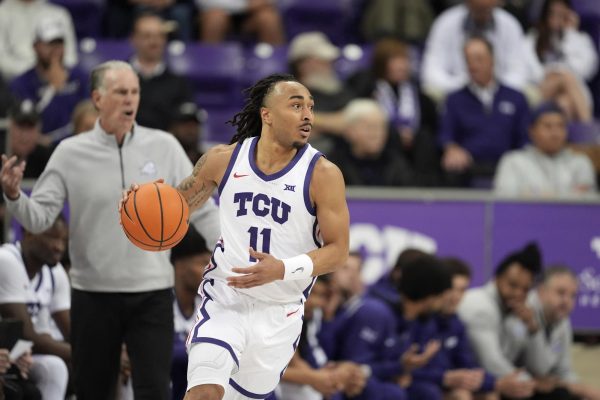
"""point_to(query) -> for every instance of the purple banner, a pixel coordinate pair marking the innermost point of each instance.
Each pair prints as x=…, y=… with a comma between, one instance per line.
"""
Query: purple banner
x=482, y=233
x=383, y=228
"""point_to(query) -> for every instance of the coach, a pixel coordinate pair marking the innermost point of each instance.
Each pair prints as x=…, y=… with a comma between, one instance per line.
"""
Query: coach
x=121, y=294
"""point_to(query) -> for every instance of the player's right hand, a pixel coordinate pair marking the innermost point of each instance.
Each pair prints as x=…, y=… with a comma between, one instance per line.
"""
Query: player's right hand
x=125, y=195
x=11, y=176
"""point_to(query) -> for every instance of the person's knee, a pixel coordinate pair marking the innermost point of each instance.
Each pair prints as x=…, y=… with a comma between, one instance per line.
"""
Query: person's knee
x=205, y=392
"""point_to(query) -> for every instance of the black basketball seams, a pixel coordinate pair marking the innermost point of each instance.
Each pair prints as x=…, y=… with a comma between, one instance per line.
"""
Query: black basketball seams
x=140, y=220
x=133, y=239
x=180, y=219
x=162, y=221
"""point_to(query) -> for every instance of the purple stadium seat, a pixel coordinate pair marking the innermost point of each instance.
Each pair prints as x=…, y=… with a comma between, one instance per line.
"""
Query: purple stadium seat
x=584, y=133
x=216, y=129
x=87, y=16
x=353, y=58
x=263, y=60
x=93, y=52
x=327, y=16
x=215, y=71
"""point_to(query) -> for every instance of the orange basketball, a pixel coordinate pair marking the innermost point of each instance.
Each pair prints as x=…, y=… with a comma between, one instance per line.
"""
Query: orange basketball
x=155, y=217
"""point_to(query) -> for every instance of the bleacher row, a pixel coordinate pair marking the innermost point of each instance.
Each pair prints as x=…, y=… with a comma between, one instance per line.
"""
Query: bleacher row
x=218, y=73
x=298, y=16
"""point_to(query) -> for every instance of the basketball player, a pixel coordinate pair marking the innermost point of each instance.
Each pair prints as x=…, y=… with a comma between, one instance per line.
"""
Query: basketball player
x=284, y=221
x=120, y=293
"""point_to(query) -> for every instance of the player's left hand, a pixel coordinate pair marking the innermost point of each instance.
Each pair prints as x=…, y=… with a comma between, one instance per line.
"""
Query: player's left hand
x=268, y=269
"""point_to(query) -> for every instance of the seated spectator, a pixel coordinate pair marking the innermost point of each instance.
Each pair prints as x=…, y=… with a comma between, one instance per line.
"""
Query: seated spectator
x=19, y=20
x=546, y=167
x=350, y=310
x=54, y=88
x=84, y=117
x=34, y=290
x=311, y=56
x=120, y=15
x=363, y=157
x=310, y=375
x=163, y=91
x=444, y=68
x=481, y=121
x=560, y=60
x=189, y=258
x=24, y=132
x=409, y=20
x=393, y=339
x=412, y=114
x=259, y=18
x=454, y=367
x=186, y=126
x=550, y=362
x=385, y=288
x=500, y=325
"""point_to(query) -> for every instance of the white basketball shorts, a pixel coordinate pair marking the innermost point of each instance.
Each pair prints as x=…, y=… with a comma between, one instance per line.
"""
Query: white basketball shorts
x=259, y=339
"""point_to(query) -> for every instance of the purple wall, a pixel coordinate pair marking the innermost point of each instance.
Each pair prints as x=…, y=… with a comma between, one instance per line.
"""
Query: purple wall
x=481, y=233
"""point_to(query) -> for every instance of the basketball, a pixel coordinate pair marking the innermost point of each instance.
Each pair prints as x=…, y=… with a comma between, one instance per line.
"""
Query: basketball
x=155, y=217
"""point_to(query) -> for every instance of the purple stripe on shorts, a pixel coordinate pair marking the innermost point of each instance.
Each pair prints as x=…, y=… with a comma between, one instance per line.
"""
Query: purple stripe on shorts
x=247, y=393
x=218, y=342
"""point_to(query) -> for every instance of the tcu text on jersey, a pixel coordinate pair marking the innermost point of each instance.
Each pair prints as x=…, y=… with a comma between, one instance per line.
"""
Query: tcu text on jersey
x=262, y=205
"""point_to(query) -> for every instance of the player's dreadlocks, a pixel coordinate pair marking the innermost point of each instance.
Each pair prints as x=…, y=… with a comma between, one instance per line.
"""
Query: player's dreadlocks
x=248, y=122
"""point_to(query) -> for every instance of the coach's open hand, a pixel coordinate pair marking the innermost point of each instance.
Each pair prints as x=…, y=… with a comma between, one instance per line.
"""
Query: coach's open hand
x=268, y=269
x=11, y=176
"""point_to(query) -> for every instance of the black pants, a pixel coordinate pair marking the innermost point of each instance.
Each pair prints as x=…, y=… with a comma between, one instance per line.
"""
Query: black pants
x=556, y=394
x=101, y=322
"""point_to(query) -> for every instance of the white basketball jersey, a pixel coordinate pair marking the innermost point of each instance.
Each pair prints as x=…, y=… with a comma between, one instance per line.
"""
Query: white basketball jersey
x=270, y=213
x=46, y=293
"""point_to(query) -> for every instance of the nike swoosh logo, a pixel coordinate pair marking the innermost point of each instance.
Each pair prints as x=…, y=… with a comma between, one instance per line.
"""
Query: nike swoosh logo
x=292, y=313
x=236, y=175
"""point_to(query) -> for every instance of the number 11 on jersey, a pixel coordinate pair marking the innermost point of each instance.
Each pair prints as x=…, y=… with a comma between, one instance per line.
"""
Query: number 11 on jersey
x=265, y=233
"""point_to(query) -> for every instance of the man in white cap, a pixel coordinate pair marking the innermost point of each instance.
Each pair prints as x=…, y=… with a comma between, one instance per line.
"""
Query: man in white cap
x=54, y=88
x=18, y=22
x=311, y=56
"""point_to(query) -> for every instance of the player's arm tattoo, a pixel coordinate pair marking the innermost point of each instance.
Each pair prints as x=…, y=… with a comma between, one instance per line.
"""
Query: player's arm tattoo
x=188, y=183
x=188, y=187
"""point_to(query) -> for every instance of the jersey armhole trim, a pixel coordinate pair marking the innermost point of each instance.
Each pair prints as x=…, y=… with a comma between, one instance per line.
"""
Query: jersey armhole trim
x=232, y=161
x=306, y=190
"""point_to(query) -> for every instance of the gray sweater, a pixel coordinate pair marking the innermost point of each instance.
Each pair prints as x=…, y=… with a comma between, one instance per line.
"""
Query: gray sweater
x=552, y=354
x=498, y=339
x=90, y=171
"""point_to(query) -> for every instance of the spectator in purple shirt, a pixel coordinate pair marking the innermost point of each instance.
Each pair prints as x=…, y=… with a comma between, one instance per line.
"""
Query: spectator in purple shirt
x=481, y=121
x=387, y=336
x=454, y=367
x=54, y=89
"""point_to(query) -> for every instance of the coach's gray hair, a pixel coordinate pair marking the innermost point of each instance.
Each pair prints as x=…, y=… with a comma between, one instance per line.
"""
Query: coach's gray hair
x=98, y=73
x=556, y=270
